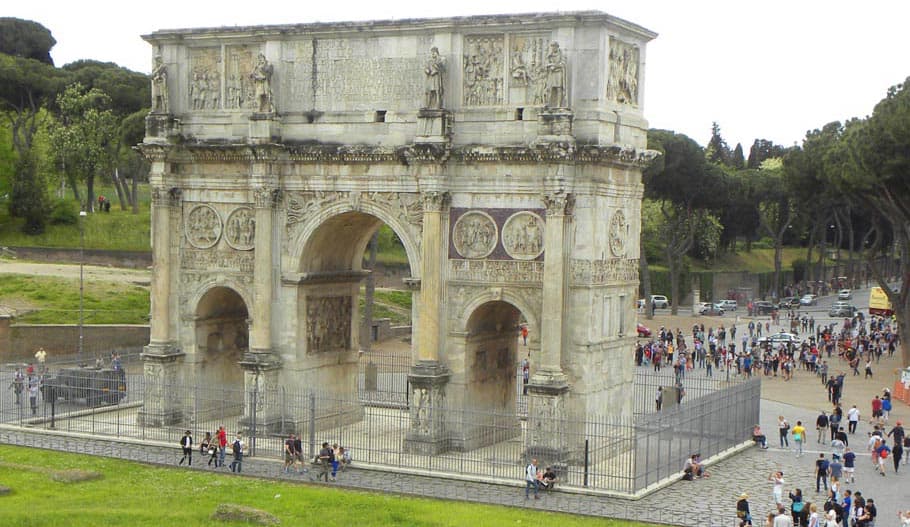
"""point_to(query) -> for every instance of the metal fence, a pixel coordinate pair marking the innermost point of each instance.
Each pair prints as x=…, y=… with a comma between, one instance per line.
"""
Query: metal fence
x=599, y=452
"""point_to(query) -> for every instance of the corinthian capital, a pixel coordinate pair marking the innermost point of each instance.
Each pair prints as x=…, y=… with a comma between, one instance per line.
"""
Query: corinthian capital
x=266, y=197
x=435, y=201
x=166, y=197
x=559, y=204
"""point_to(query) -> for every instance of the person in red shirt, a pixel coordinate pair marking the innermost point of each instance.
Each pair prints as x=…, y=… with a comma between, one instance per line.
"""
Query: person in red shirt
x=876, y=408
x=222, y=445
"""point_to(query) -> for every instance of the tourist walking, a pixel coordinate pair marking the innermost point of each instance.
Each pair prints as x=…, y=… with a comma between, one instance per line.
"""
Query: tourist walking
x=852, y=419
x=289, y=454
x=821, y=426
x=783, y=428
x=237, y=450
x=221, y=436
x=187, y=443
x=531, y=480
x=799, y=434
x=325, y=463
x=17, y=385
x=33, y=389
x=821, y=473
x=743, y=512
x=849, y=466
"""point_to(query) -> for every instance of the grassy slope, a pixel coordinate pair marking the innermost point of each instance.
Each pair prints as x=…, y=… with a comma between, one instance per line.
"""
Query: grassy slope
x=139, y=495
x=56, y=300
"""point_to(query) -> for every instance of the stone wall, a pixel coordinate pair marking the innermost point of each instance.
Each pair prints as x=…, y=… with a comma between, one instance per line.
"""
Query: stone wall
x=128, y=259
x=18, y=342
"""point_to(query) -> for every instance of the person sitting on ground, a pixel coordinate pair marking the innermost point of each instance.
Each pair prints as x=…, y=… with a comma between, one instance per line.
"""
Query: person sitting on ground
x=692, y=469
x=549, y=479
x=759, y=437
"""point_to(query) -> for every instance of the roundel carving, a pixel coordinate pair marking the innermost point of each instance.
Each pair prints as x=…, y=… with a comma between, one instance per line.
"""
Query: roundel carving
x=522, y=236
x=203, y=227
x=618, y=233
x=475, y=235
x=240, y=229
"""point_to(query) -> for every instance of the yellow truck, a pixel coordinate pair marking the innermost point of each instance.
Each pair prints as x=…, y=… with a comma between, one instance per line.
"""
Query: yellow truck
x=879, y=304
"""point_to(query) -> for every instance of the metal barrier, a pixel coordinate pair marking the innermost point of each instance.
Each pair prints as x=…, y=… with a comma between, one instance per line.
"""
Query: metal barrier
x=600, y=452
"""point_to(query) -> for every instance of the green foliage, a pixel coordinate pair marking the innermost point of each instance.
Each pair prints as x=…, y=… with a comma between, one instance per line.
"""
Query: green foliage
x=761, y=150
x=129, y=91
x=26, y=39
x=56, y=300
x=737, y=160
x=707, y=242
x=26, y=86
x=188, y=497
x=799, y=269
x=28, y=199
x=717, y=150
x=64, y=212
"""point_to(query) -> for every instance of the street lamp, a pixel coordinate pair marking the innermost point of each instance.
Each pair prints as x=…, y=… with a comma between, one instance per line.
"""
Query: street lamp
x=82, y=215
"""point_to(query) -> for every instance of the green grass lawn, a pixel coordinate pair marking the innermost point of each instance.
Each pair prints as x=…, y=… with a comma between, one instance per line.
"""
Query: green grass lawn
x=140, y=495
x=755, y=261
x=388, y=303
x=56, y=300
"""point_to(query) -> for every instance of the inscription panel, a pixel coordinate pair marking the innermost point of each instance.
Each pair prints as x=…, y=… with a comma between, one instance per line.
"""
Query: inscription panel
x=348, y=77
x=497, y=271
x=209, y=260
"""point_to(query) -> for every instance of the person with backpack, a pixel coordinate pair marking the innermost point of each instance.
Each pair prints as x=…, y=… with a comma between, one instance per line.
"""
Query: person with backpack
x=237, y=450
x=531, y=480
x=324, y=460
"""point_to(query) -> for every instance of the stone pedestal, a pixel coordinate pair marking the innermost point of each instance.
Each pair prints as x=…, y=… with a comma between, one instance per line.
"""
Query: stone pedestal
x=161, y=396
x=548, y=439
x=161, y=127
x=260, y=382
x=427, y=435
x=264, y=128
x=433, y=126
x=554, y=125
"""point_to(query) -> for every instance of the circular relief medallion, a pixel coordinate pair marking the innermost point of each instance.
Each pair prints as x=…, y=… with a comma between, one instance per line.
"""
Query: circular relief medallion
x=522, y=236
x=240, y=229
x=475, y=235
x=617, y=233
x=203, y=227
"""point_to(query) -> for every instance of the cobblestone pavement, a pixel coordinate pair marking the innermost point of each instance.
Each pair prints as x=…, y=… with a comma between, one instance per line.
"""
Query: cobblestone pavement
x=707, y=502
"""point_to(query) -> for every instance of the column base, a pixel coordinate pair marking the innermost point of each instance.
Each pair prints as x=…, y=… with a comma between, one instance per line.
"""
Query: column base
x=427, y=434
x=161, y=128
x=260, y=379
x=554, y=125
x=550, y=424
x=161, y=404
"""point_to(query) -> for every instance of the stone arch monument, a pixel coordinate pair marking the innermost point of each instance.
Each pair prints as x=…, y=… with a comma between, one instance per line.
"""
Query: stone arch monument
x=504, y=151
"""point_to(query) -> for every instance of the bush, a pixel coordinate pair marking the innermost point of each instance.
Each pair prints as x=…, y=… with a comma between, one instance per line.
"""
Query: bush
x=64, y=212
x=240, y=513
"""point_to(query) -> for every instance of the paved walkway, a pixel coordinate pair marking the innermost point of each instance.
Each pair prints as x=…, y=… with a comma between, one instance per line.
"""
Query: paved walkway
x=707, y=502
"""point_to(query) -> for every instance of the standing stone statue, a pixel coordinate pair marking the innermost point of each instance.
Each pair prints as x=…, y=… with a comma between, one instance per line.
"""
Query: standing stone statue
x=556, y=77
x=262, y=85
x=159, y=86
x=435, y=80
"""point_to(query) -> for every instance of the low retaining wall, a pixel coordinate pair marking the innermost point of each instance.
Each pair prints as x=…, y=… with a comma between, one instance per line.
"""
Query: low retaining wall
x=127, y=259
x=18, y=342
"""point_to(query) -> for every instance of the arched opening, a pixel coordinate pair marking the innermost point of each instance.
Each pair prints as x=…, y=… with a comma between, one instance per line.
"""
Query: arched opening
x=332, y=294
x=491, y=356
x=222, y=337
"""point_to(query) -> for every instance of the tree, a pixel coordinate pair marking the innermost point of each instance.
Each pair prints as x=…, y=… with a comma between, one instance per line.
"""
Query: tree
x=737, y=160
x=682, y=185
x=717, y=150
x=85, y=136
x=26, y=39
x=777, y=210
x=875, y=175
x=129, y=91
x=761, y=150
x=26, y=85
x=28, y=197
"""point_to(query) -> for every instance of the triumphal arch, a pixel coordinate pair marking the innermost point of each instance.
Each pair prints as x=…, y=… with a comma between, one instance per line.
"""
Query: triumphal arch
x=504, y=151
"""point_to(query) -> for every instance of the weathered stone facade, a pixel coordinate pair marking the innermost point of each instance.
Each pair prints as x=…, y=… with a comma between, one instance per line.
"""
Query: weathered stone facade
x=504, y=151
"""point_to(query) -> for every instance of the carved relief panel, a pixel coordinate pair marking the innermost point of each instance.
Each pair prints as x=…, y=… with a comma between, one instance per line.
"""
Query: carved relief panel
x=528, y=68
x=240, y=229
x=522, y=236
x=204, y=77
x=618, y=233
x=483, y=70
x=238, y=89
x=203, y=227
x=328, y=323
x=622, y=80
x=475, y=235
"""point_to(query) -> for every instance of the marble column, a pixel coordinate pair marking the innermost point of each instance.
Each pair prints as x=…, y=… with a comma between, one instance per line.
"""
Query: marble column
x=260, y=363
x=161, y=358
x=548, y=386
x=429, y=377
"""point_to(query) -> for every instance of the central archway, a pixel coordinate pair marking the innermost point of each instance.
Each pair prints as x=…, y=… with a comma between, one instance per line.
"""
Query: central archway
x=222, y=337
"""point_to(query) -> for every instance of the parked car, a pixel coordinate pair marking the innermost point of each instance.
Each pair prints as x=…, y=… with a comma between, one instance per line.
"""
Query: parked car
x=762, y=307
x=728, y=304
x=842, y=309
x=643, y=331
x=808, y=300
x=788, y=302
x=660, y=302
x=709, y=309
x=780, y=338
x=844, y=294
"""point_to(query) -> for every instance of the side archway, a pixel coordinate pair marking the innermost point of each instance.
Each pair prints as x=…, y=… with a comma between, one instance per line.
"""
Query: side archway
x=221, y=331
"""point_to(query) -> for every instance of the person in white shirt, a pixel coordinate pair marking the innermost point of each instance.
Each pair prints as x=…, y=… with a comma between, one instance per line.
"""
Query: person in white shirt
x=852, y=419
x=531, y=479
x=778, y=488
x=783, y=518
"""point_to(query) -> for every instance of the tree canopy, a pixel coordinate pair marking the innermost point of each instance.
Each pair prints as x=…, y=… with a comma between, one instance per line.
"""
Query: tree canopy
x=26, y=39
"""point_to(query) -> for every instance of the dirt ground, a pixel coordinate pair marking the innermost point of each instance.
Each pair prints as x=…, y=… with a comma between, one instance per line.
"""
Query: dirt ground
x=141, y=277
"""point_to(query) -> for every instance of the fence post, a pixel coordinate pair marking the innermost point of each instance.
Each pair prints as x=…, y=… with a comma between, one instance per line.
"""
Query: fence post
x=253, y=399
x=312, y=424
x=587, y=454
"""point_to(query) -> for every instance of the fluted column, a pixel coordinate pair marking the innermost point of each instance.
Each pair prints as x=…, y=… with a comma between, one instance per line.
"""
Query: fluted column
x=431, y=276
x=163, y=200
x=261, y=334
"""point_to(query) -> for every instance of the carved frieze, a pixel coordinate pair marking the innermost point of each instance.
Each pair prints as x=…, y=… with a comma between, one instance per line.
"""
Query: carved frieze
x=204, y=78
x=240, y=229
x=496, y=271
x=483, y=70
x=227, y=260
x=622, y=80
x=600, y=272
x=328, y=323
x=522, y=236
x=475, y=234
x=238, y=92
x=528, y=69
x=203, y=227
